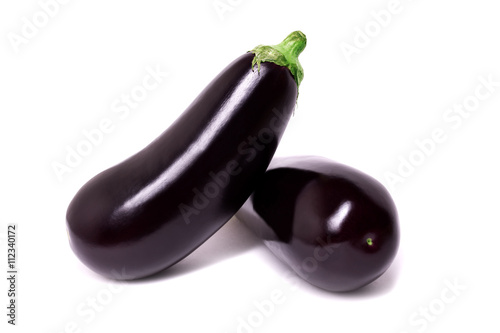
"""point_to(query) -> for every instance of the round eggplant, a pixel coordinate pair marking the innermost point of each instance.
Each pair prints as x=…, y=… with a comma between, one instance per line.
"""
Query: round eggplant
x=335, y=226
x=151, y=210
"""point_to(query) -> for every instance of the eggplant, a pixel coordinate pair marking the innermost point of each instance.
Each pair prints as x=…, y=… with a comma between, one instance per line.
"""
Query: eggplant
x=334, y=226
x=150, y=211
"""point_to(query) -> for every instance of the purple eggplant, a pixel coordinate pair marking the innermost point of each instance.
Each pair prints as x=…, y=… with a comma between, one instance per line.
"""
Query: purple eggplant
x=335, y=226
x=148, y=212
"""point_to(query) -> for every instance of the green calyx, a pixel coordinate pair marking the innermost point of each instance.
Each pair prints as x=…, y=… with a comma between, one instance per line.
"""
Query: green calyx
x=284, y=54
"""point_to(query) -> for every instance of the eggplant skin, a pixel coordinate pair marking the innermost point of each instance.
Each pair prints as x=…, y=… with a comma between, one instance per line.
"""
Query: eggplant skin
x=146, y=213
x=333, y=225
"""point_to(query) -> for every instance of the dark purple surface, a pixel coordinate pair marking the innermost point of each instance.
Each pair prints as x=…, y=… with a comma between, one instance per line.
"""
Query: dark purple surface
x=145, y=214
x=319, y=216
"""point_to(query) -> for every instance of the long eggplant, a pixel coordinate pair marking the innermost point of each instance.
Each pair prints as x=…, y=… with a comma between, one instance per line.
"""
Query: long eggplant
x=150, y=211
x=334, y=226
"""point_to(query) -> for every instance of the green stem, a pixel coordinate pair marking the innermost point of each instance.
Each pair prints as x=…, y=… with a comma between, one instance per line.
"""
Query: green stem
x=284, y=54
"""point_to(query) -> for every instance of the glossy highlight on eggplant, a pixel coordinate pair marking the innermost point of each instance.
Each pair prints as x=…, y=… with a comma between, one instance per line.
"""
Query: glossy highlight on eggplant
x=335, y=226
x=150, y=211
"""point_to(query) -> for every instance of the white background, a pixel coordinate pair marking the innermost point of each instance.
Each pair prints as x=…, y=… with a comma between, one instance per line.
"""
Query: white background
x=366, y=109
